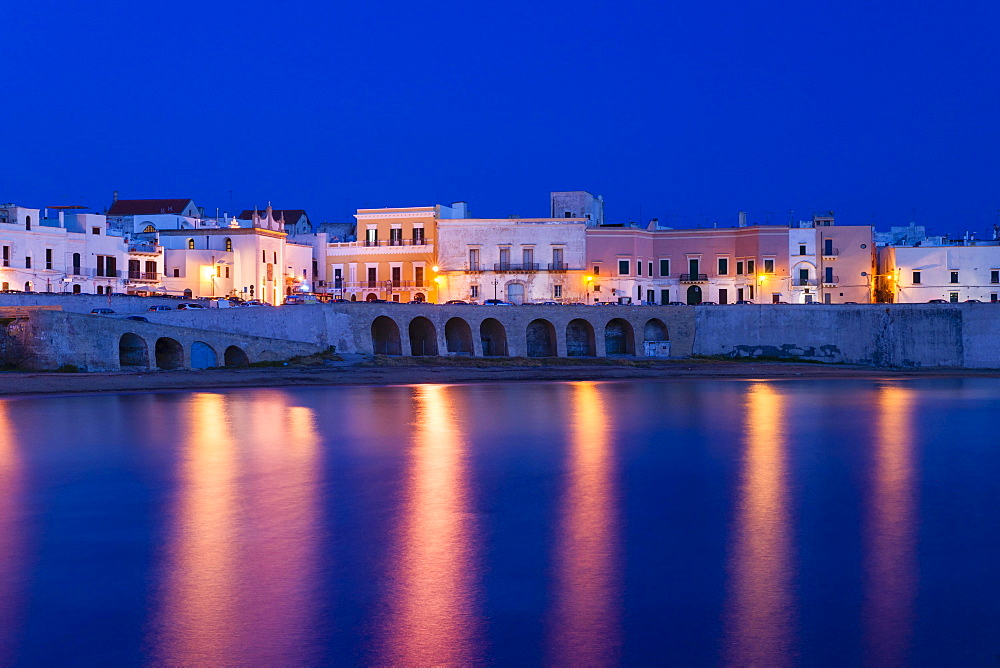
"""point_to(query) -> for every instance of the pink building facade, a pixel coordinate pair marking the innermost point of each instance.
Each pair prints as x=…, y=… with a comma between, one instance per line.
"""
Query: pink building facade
x=722, y=266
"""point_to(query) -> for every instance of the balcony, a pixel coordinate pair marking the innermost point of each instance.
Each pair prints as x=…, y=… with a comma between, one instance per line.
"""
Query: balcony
x=831, y=280
x=151, y=276
x=515, y=268
x=391, y=242
x=143, y=249
x=558, y=266
x=831, y=253
x=804, y=282
x=694, y=278
x=474, y=268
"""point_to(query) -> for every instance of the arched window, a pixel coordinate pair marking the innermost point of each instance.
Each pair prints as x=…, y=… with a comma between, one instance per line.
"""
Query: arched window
x=27, y=222
x=229, y=245
x=76, y=264
x=190, y=244
x=149, y=230
x=27, y=286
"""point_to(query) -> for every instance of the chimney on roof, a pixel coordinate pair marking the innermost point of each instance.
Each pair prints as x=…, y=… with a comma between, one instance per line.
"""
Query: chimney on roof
x=743, y=218
x=115, y=196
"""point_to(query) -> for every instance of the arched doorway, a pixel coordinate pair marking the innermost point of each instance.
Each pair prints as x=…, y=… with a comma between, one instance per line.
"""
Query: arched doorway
x=202, y=356
x=493, y=336
x=458, y=334
x=133, y=351
x=655, y=330
x=385, y=337
x=694, y=295
x=76, y=289
x=515, y=293
x=234, y=356
x=423, y=337
x=371, y=297
x=580, y=339
x=619, y=338
x=419, y=297
x=169, y=354
x=541, y=339
x=188, y=294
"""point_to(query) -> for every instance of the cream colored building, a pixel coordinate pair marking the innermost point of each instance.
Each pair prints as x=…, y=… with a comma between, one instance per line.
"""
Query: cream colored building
x=520, y=260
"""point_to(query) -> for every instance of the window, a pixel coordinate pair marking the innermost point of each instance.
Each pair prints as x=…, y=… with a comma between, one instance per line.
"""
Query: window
x=828, y=275
x=76, y=263
x=954, y=277
x=190, y=244
x=568, y=214
x=739, y=268
x=750, y=267
x=151, y=269
x=650, y=267
x=48, y=258
x=229, y=245
x=6, y=256
x=418, y=236
x=993, y=296
x=751, y=291
x=263, y=256
x=623, y=267
x=418, y=276
x=723, y=266
x=664, y=297
x=802, y=249
x=768, y=266
x=995, y=276
x=218, y=271
x=95, y=230
x=504, y=258
x=27, y=262
x=638, y=268
x=916, y=278
x=275, y=253
x=371, y=277
x=397, y=276
x=371, y=237
x=827, y=246
x=527, y=257
x=664, y=267
x=473, y=259
x=474, y=291
x=597, y=270
x=27, y=223
x=177, y=273
x=557, y=291
x=396, y=236
x=557, y=259
x=149, y=230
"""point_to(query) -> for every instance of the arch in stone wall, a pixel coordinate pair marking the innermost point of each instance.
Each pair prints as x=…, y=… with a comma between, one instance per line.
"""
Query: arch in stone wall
x=203, y=356
x=385, y=336
x=655, y=330
x=169, y=353
x=541, y=338
x=458, y=334
x=493, y=337
x=619, y=338
x=133, y=351
x=580, y=339
x=423, y=337
x=235, y=356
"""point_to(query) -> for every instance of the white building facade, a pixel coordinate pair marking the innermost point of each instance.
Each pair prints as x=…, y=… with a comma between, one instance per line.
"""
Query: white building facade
x=954, y=273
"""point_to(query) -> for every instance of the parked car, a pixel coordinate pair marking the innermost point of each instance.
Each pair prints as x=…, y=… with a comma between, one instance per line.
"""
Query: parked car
x=937, y=301
x=103, y=311
x=747, y=301
x=189, y=306
x=256, y=302
x=137, y=318
x=973, y=301
x=457, y=301
x=160, y=307
x=339, y=300
x=708, y=304
x=496, y=302
x=677, y=304
x=550, y=303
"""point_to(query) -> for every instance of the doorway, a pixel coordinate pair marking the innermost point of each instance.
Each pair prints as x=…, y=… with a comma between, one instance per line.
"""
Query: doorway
x=515, y=293
x=694, y=294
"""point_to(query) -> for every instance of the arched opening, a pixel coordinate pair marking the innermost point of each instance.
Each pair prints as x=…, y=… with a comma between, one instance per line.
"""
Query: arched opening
x=655, y=330
x=190, y=244
x=203, y=356
x=694, y=295
x=27, y=222
x=515, y=293
x=371, y=297
x=77, y=267
x=459, y=336
x=169, y=354
x=229, y=245
x=234, y=356
x=188, y=293
x=27, y=286
x=354, y=298
x=580, y=339
x=385, y=336
x=423, y=337
x=493, y=337
x=541, y=339
x=76, y=289
x=133, y=351
x=419, y=297
x=619, y=338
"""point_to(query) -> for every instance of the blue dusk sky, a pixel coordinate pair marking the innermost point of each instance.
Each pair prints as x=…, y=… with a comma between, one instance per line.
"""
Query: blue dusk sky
x=685, y=111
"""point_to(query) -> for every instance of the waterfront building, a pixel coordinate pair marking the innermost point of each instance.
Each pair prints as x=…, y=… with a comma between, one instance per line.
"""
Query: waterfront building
x=68, y=252
x=934, y=268
x=812, y=261
x=393, y=257
x=520, y=260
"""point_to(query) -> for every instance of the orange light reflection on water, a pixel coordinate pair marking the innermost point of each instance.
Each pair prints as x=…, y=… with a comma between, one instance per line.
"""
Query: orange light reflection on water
x=12, y=539
x=432, y=617
x=890, y=561
x=587, y=617
x=760, y=606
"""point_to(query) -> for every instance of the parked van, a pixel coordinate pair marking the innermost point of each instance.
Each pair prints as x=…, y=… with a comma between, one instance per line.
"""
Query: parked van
x=219, y=303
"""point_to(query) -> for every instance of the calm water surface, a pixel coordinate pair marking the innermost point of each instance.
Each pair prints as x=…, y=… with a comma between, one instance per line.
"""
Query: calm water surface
x=696, y=522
